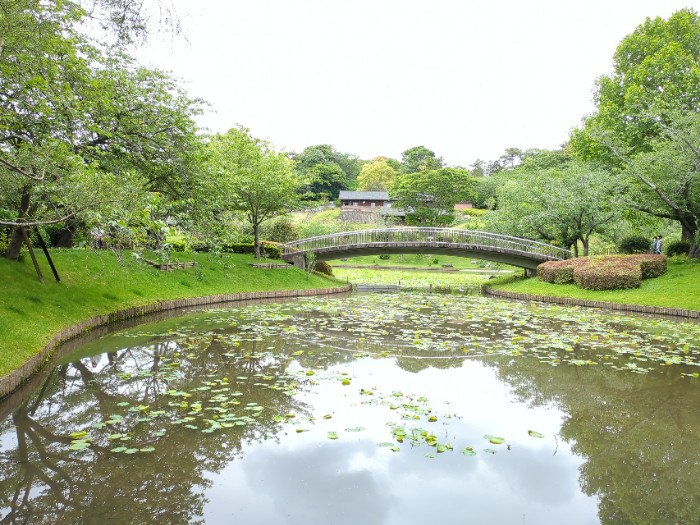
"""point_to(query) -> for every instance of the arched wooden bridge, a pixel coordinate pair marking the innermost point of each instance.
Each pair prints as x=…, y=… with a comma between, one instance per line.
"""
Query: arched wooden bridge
x=515, y=251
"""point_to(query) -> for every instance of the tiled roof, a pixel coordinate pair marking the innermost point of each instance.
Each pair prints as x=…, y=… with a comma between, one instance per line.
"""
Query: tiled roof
x=363, y=195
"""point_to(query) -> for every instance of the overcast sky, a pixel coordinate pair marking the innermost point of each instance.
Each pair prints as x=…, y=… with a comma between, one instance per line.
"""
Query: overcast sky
x=465, y=78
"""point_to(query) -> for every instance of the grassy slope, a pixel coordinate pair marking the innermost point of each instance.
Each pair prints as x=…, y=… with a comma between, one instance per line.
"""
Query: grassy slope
x=678, y=288
x=93, y=283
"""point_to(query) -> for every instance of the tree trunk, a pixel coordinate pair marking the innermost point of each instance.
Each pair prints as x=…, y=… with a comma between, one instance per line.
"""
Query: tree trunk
x=256, y=241
x=688, y=234
x=65, y=240
x=584, y=241
x=17, y=237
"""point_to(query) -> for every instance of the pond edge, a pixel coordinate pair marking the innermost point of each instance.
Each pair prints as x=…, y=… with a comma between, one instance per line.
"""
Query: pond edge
x=606, y=305
x=12, y=381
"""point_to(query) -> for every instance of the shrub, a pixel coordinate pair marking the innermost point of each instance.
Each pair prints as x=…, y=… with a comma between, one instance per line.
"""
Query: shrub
x=280, y=229
x=385, y=257
x=652, y=265
x=634, y=244
x=676, y=248
x=560, y=272
x=604, y=273
x=324, y=268
x=608, y=274
x=179, y=245
x=266, y=248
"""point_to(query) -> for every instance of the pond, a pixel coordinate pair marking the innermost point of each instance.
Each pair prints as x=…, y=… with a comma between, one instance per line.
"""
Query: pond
x=377, y=409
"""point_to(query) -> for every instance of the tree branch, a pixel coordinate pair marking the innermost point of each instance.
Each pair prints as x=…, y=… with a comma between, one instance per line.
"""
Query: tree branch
x=21, y=171
x=30, y=224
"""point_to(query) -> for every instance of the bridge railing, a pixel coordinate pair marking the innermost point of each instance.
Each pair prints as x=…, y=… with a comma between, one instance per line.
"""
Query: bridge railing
x=425, y=236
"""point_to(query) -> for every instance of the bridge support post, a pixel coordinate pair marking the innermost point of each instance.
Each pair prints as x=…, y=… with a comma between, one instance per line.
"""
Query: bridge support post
x=529, y=272
x=299, y=261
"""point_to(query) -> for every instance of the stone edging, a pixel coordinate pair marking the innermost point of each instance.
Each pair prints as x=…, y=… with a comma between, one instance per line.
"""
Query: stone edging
x=14, y=379
x=570, y=301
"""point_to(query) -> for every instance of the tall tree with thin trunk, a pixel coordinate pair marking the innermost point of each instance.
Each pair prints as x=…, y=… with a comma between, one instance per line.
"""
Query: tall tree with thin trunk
x=245, y=174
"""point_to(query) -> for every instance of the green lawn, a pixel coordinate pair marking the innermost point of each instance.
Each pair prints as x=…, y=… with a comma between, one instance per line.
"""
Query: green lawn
x=679, y=287
x=94, y=283
x=420, y=260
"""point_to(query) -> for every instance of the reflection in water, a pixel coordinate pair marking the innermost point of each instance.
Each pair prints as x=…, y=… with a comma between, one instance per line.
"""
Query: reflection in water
x=364, y=410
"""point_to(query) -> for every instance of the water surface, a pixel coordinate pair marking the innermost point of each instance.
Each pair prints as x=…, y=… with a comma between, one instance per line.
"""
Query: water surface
x=388, y=409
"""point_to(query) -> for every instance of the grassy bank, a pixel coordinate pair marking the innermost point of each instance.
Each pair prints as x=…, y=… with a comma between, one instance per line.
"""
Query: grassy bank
x=679, y=287
x=94, y=283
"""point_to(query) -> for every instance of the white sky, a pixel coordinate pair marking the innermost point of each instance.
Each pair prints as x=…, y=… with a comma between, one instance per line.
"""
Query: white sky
x=465, y=78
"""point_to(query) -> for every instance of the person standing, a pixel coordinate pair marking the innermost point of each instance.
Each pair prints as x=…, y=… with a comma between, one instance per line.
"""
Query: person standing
x=659, y=244
x=653, y=244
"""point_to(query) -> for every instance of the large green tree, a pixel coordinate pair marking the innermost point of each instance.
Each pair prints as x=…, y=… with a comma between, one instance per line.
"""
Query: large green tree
x=377, y=175
x=420, y=158
x=84, y=133
x=646, y=114
x=246, y=175
x=327, y=170
x=565, y=205
x=429, y=196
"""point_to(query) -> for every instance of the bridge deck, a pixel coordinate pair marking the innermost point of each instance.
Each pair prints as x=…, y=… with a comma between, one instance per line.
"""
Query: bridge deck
x=466, y=243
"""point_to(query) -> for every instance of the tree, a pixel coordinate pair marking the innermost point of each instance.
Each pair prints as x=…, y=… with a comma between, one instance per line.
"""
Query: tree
x=656, y=70
x=665, y=182
x=512, y=157
x=327, y=170
x=420, y=158
x=565, y=206
x=83, y=133
x=245, y=174
x=429, y=196
x=377, y=175
x=645, y=116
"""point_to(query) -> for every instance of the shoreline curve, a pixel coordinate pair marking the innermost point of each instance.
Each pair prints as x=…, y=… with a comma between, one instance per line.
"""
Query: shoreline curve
x=15, y=379
x=605, y=305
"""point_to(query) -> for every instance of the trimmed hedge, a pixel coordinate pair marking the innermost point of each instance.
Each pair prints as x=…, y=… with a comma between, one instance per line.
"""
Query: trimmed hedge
x=676, y=248
x=268, y=249
x=609, y=275
x=560, y=272
x=634, y=244
x=652, y=265
x=610, y=272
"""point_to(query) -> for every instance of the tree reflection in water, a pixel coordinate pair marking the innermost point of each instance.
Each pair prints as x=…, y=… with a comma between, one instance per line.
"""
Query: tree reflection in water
x=635, y=432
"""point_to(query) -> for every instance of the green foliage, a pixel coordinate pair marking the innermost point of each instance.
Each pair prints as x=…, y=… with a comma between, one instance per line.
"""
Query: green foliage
x=562, y=206
x=676, y=248
x=377, y=175
x=323, y=268
x=429, y=196
x=266, y=249
x=420, y=158
x=647, y=121
x=245, y=175
x=326, y=171
x=323, y=223
x=280, y=229
x=634, y=244
x=80, y=144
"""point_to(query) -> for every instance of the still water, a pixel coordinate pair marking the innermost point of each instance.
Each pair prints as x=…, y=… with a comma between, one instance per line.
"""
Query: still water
x=372, y=409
